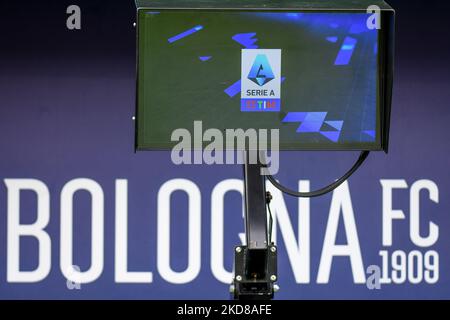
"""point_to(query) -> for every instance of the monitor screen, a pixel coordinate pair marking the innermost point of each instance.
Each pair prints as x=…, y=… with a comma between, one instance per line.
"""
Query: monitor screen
x=312, y=75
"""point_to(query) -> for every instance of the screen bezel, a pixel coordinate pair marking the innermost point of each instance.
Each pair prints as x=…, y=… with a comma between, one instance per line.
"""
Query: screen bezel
x=383, y=90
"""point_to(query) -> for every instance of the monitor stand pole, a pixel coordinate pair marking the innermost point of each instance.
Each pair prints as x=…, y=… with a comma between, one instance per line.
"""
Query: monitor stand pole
x=255, y=264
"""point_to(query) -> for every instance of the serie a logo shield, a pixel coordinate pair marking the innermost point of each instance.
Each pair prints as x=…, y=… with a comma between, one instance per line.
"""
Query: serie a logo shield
x=261, y=72
x=261, y=80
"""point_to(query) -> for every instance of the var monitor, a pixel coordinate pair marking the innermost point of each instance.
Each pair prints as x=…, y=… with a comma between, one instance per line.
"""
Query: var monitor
x=321, y=76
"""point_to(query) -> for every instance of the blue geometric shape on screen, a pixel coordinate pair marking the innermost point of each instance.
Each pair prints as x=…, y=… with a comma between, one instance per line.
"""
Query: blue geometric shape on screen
x=348, y=47
x=295, y=117
x=370, y=133
x=332, y=39
x=336, y=124
x=185, y=34
x=314, y=122
x=375, y=49
x=325, y=127
x=316, y=117
x=334, y=25
x=261, y=71
x=234, y=89
x=153, y=12
x=331, y=135
x=359, y=27
x=313, y=126
x=346, y=52
x=246, y=39
x=205, y=58
x=294, y=15
x=309, y=119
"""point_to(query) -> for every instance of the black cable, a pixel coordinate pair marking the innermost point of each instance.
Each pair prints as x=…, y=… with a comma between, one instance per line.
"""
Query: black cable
x=325, y=190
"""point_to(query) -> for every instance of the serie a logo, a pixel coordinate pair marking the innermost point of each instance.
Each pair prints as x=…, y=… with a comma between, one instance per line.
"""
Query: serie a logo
x=261, y=72
x=261, y=80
